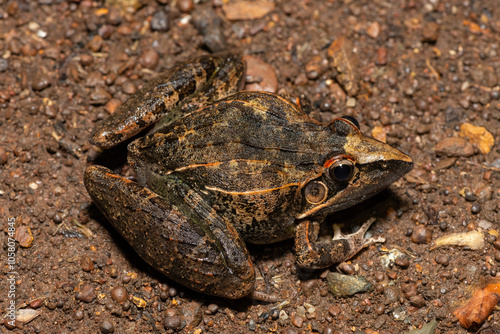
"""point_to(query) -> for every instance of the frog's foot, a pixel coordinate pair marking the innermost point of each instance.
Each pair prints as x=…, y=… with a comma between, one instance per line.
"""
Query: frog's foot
x=357, y=240
x=205, y=253
x=321, y=254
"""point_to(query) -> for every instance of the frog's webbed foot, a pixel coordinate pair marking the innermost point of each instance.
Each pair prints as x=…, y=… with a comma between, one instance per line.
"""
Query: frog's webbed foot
x=321, y=254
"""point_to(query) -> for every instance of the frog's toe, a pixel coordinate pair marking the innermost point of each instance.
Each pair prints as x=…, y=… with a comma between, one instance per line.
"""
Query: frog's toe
x=317, y=254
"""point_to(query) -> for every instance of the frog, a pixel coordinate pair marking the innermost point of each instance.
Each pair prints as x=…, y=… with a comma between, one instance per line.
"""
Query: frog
x=219, y=168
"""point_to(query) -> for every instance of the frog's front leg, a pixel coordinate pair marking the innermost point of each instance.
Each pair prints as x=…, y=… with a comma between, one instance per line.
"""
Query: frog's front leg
x=315, y=254
x=171, y=94
x=204, y=254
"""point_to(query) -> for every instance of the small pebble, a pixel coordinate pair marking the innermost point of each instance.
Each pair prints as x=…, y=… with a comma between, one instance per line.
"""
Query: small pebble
x=128, y=87
x=86, y=263
x=36, y=303
x=79, y=315
x=149, y=59
x=297, y=321
x=119, y=294
x=24, y=236
x=185, y=6
x=347, y=268
x=4, y=65
x=126, y=305
x=86, y=294
x=392, y=294
x=402, y=262
x=12, y=8
x=61, y=302
x=112, y=104
x=373, y=30
x=442, y=259
x=163, y=296
x=257, y=68
x=99, y=96
x=475, y=208
x=212, y=308
x=443, y=225
x=409, y=290
x=159, y=22
x=421, y=235
x=454, y=147
x=380, y=309
x=490, y=238
x=96, y=43
x=334, y=310
x=105, y=31
x=469, y=196
x=51, y=305
x=309, y=287
x=417, y=301
x=107, y=326
x=252, y=325
x=315, y=67
x=86, y=59
x=172, y=322
x=172, y=292
x=382, y=57
x=40, y=81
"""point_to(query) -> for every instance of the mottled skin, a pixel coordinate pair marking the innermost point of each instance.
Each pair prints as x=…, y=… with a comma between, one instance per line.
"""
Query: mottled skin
x=251, y=167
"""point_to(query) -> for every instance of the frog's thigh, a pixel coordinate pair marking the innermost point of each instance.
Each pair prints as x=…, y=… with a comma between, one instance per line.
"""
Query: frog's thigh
x=315, y=254
x=164, y=237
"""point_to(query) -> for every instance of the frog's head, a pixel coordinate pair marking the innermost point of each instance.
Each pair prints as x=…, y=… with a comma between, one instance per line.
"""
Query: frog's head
x=358, y=168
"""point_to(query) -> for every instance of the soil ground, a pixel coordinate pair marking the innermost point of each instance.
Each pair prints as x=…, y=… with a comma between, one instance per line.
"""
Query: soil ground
x=415, y=73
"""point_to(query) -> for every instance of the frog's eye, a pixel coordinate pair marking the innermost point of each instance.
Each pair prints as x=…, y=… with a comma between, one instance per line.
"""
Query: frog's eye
x=352, y=120
x=342, y=170
x=315, y=192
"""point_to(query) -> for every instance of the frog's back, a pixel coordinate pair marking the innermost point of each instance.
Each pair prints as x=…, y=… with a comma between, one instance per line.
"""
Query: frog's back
x=246, y=142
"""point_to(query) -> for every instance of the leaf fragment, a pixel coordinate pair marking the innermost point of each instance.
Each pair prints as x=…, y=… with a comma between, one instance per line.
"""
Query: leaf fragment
x=480, y=306
x=345, y=61
x=247, y=10
x=473, y=240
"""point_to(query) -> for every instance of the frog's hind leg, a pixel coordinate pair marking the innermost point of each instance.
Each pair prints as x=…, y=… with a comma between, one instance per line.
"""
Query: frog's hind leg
x=198, y=81
x=315, y=254
x=209, y=257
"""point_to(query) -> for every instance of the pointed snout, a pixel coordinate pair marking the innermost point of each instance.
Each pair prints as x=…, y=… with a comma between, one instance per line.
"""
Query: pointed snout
x=367, y=150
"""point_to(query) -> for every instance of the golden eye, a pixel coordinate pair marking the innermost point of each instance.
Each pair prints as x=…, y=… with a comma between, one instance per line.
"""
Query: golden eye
x=316, y=192
x=342, y=170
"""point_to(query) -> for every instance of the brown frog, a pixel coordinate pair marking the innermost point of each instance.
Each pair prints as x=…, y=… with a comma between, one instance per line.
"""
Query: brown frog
x=222, y=168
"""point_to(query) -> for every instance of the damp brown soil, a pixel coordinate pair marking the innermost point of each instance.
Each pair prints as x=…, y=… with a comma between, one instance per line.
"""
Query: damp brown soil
x=411, y=72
